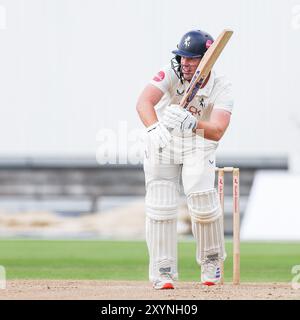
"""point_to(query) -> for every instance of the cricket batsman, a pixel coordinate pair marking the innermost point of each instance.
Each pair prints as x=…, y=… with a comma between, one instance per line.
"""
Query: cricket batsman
x=181, y=146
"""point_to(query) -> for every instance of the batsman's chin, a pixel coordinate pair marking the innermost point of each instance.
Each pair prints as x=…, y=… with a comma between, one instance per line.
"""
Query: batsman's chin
x=187, y=76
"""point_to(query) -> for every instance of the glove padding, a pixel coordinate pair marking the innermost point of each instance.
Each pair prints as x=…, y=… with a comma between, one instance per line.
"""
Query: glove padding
x=159, y=135
x=177, y=117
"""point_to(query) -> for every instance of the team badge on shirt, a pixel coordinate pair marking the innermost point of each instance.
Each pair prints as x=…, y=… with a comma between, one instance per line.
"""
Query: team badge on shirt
x=201, y=103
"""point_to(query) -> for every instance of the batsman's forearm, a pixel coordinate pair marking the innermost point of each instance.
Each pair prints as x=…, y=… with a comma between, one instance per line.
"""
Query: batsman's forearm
x=147, y=113
x=211, y=130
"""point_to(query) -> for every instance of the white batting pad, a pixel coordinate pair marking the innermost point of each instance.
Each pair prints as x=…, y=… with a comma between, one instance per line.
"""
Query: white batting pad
x=161, y=237
x=209, y=240
x=204, y=206
x=161, y=227
x=161, y=199
x=207, y=226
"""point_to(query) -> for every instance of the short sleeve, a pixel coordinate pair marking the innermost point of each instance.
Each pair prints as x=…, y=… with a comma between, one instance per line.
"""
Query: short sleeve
x=164, y=79
x=224, y=99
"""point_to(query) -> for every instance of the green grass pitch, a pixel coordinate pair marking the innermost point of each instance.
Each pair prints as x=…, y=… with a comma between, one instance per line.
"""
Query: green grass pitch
x=128, y=260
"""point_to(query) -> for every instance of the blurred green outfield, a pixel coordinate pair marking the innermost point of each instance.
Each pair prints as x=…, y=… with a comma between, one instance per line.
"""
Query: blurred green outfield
x=127, y=260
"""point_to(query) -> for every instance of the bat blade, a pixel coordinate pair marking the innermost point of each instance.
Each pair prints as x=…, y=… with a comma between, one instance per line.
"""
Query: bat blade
x=205, y=66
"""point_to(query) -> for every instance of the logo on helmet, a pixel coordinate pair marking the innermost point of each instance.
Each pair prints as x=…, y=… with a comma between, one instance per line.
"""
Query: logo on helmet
x=187, y=41
x=208, y=43
x=159, y=77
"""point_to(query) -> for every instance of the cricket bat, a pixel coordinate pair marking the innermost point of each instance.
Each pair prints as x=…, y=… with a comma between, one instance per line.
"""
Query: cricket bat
x=205, y=66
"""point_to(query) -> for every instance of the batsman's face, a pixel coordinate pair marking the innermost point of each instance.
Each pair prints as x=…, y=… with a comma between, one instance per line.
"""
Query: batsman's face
x=189, y=66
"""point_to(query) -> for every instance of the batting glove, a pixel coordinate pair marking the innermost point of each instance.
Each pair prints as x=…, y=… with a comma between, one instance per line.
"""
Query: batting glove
x=159, y=135
x=177, y=117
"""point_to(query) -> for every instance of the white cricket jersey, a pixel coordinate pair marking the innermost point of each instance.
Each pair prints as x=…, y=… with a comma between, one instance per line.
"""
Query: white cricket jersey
x=215, y=95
